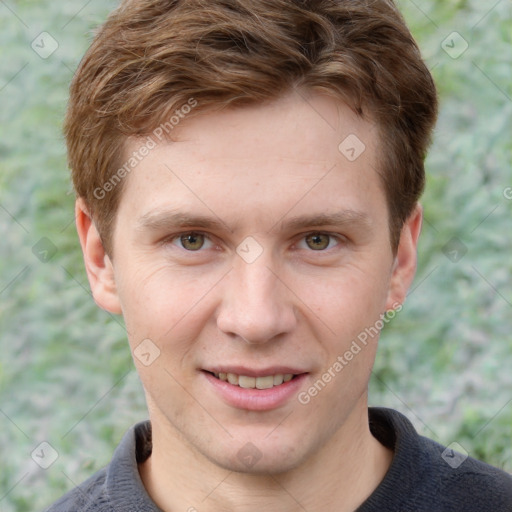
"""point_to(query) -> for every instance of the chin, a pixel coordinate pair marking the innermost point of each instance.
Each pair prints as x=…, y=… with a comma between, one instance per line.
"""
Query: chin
x=254, y=459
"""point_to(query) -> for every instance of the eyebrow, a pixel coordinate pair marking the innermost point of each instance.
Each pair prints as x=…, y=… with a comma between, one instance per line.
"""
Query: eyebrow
x=159, y=220
x=338, y=219
x=164, y=219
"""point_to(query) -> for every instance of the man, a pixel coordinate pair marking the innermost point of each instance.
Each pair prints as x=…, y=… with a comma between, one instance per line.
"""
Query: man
x=248, y=177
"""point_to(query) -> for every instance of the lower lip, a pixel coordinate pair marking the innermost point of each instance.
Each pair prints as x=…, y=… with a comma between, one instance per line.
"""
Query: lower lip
x=256, y=399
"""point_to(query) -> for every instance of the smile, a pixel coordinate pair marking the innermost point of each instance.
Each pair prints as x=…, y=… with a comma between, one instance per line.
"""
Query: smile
x=261, y=390
x=244, y=381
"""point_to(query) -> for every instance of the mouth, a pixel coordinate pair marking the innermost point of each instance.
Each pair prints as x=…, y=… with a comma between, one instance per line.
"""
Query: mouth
x=250, y=382
x=257, y=390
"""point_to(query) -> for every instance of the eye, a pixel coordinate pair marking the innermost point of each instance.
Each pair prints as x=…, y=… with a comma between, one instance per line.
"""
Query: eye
x=318, y=241
x=192, y=241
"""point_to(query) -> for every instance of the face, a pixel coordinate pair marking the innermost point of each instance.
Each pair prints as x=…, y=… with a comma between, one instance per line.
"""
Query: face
x=250, y=250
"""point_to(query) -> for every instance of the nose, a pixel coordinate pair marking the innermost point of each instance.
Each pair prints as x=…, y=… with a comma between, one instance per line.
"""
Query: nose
x=256, y=306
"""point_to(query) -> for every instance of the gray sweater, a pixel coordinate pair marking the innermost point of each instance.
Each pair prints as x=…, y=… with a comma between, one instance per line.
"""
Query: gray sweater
x=423, y=477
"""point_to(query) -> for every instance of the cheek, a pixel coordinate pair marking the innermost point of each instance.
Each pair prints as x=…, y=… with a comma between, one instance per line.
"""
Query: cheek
x=347, y=300
x=162, y=303
x=350, y=306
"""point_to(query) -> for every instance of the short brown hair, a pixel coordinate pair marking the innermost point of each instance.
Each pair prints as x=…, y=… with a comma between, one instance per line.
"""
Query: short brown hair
x=151, y=57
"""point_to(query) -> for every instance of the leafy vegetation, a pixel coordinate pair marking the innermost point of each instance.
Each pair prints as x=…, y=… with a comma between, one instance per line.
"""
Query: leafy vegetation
x=66, y=375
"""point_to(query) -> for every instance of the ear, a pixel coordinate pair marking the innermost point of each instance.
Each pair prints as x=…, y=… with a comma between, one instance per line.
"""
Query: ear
x=404, y=266
x=98, y=265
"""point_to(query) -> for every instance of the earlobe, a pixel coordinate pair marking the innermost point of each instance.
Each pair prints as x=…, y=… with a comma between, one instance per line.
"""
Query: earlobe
x=98, y=265
x=404, y=266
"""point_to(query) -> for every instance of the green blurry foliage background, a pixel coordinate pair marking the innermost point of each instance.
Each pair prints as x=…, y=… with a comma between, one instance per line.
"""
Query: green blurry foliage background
x=66, y=374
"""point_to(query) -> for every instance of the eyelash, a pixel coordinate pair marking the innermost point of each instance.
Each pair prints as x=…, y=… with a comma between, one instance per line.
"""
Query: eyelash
x=339, y=239
x=176, y=238
x=332, y=237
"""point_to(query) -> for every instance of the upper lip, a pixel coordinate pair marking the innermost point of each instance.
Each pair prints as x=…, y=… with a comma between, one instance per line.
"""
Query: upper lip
x=252, y=372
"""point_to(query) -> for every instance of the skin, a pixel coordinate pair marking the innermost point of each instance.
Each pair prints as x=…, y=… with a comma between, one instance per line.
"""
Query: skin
x=254, y=171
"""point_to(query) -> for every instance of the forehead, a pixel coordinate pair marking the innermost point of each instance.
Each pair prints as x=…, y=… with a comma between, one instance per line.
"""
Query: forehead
x=294, y=155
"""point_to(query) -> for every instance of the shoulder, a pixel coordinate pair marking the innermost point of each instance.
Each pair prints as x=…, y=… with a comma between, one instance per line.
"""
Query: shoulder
x=87, y=497
x=427, y=476
x=464, y=483
x=118, y=485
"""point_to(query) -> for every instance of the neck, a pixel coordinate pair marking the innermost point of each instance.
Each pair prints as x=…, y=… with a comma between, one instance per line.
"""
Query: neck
x=340, y=476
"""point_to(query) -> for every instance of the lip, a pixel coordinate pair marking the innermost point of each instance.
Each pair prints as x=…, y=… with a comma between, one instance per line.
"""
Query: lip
x=254, y=399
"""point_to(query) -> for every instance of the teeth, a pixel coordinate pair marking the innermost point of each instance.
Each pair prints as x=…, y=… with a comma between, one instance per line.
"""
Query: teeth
x=278, y=379
x=246, y=382
x=233, y=379
x=264, y=382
